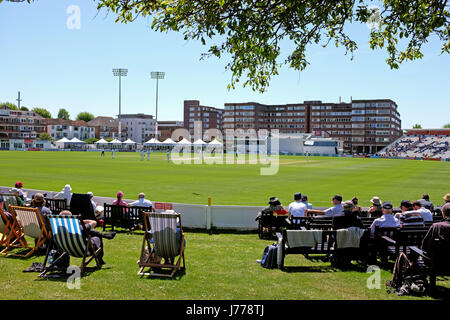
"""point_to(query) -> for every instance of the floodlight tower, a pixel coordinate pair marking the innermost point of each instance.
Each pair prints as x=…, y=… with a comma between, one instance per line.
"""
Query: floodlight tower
x=119, y=72
x=157, y=75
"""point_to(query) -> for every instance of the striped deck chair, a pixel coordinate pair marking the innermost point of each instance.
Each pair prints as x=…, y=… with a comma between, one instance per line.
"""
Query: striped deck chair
x=161, y=240
x=10, y=200
x=32, y=225
x=68, y=236
x=12, y=233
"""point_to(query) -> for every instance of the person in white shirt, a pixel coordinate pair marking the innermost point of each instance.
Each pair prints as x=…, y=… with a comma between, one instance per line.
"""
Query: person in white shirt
x=387, y=220
x=426, y=214
x=142, y=202
x=297, y=208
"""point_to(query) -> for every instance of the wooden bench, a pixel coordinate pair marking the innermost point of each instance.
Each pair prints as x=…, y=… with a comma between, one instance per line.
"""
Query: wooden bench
x=324, y=247
x=391, y=241
x=56, y=205
x=123, y=217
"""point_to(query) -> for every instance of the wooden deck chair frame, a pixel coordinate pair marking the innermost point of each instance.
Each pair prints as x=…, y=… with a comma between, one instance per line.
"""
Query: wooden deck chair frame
x=30, y=223
x=12, y=235
x=9, y=199
x=61, y=242
x=145, y=260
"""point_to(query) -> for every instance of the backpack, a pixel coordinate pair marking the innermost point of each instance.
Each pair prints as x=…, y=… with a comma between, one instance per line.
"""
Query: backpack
x=406, y=280
x=62, y=263
x=269, y=257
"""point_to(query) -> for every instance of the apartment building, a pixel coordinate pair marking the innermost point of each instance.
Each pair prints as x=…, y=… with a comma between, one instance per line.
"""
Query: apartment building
x=18, y=124
x=166, y=128
x=364, y=126
x=59, y=128
x=139, y=127
x=210, y=117
x=108, y=127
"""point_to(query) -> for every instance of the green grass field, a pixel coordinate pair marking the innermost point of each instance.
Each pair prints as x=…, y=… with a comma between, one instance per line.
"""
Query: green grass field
x=219, y=266
x=320, y=178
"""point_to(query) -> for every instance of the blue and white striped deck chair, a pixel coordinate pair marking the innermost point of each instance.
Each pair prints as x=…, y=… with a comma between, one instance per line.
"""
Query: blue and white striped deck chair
x=69, y=236
x=163, y=241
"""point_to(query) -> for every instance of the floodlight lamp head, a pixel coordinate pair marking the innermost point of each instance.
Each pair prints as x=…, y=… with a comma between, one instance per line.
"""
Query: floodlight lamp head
x=120, y=72
x=157, y=75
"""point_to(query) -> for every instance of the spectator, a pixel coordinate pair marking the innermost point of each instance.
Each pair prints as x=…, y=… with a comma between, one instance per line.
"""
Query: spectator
x=305, y=201
x=7, y=214
x=347, y=219
x=387, y=220
x=142, y=202
x=297, y=208
x=38, y=201
x=426, y=203
x=23, y=195
x=98, y=210
x=409, y=217
x=356, y=209
x=96, y=236
x=375, y=210
x=335, y=209
x=446, y=198
x=426, y=214
x=119, y=201
x=275, y=208
x=64, y=194
x=439, y=230
x=20, y=201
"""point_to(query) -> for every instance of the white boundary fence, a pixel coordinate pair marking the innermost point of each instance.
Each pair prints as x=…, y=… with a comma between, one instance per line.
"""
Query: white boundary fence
x=193, y=215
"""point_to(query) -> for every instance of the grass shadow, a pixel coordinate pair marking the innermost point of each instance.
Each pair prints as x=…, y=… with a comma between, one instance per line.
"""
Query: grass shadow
x=177, y=276
x=62, y=276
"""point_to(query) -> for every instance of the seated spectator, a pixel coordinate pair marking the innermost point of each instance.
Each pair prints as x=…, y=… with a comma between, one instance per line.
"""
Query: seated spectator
x=119, y=201
x=65, y=194
x=275, y=208
x=426, y=214
x=15, y=192
x=335, y=209
x=408, y=217
x=305, y=201
x=96, y=236
x=297, y=208
x=375, y=210
x=446, y=198
x=347, y=219
x=426, y=203
x=22, y=194
x=439, y=230
x=38, y=201
x=98, y=210
x=356, y=209
x=142, y=202
x=387, y=220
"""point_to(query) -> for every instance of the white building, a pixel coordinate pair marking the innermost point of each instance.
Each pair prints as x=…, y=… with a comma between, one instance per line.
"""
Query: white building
x=140, y=127
x=58, y=129
x=303, y=143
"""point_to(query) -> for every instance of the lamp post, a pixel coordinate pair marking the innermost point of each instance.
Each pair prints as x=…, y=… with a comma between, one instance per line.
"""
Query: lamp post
x=157, y=75
x=119, y=72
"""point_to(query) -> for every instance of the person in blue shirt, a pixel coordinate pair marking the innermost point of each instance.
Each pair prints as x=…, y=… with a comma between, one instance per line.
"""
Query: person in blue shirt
x=305, y=201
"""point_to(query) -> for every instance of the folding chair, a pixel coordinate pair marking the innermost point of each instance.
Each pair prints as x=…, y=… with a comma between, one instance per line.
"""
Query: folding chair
x=12, y=233
x=32, y=225
x=161, y=240
x=10, y=200
x=69, y=236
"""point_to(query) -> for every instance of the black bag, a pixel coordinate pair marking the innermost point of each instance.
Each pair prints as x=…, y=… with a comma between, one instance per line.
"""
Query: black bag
x=406, y=280
x=269, y=257
x=64, y=262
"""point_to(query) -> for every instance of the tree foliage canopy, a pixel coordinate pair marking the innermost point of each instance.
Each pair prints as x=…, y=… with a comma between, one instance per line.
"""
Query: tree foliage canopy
x=417, y=126
x=42, y=112
x=85, y=116
x=251, y=30
x=9, y=105
x=63, y=114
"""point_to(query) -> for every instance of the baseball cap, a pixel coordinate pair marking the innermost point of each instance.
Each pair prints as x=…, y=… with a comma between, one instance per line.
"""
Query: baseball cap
x=337, y=197
x=18, y=184
x=298, y=196
x=387, y=205
x=304, y=197
x=90, y=194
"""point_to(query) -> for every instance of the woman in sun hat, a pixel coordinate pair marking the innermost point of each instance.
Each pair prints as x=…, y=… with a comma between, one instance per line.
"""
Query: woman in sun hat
x=375, y=210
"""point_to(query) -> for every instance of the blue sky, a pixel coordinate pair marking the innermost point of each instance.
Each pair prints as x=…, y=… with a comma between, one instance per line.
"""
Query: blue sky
x=56, y=67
